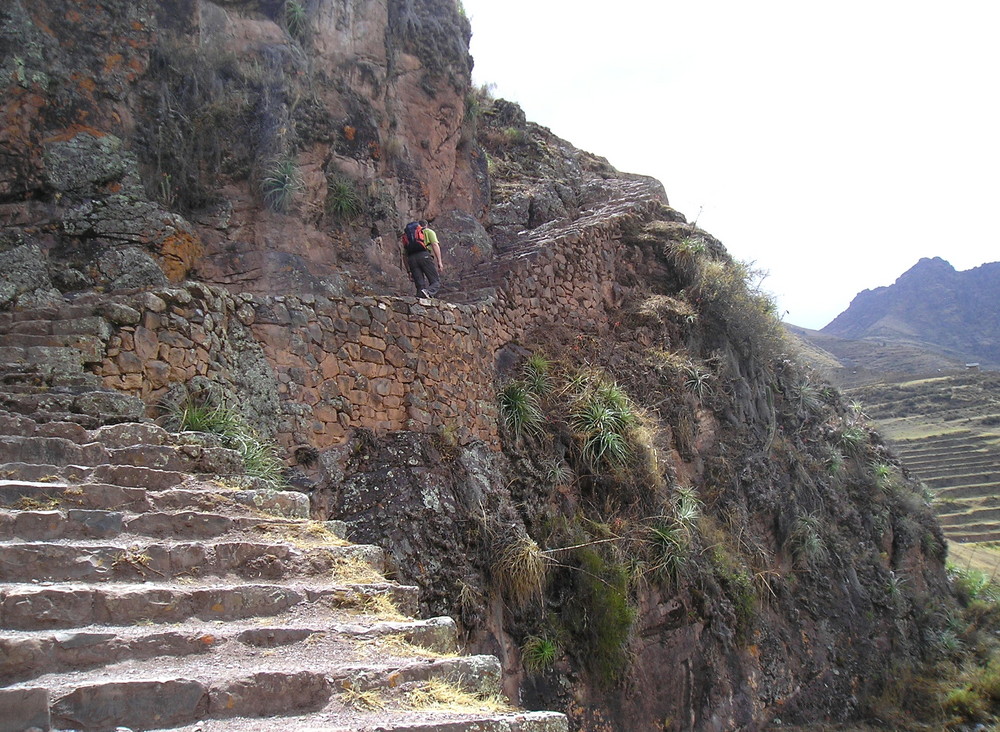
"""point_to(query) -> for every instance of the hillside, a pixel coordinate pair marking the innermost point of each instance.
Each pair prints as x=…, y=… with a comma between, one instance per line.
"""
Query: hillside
x=595, y=455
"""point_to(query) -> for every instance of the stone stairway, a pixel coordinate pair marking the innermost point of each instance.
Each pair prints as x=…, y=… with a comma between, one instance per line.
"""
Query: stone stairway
x=145, y=584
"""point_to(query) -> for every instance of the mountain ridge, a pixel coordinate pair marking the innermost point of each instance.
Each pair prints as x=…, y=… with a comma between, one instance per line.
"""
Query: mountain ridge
x=931, y=305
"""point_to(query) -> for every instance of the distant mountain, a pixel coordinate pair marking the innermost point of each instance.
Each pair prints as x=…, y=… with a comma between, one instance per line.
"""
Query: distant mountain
x=931, y=307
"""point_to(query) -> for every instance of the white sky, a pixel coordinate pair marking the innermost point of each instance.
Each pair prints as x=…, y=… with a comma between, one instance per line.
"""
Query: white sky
x=834, y=144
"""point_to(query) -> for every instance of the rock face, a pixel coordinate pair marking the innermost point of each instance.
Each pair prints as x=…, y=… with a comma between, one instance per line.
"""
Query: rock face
x=660, y=522
x=933, y=306
x=256, y=142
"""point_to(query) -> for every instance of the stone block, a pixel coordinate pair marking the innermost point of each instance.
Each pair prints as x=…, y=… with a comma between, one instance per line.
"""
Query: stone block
x=23, y=709
x=137, y=704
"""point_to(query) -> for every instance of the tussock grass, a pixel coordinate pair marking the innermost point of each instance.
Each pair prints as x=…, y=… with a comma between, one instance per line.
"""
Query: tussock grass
x=520, y=568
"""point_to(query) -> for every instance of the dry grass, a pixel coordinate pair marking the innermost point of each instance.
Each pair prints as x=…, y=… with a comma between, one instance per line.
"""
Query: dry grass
x=447, y=696
x=305, y=535
x=369, y=701
x=42, y=503
x=355, y=571
x=396, y=644
x=383, y=606
x=520, y=567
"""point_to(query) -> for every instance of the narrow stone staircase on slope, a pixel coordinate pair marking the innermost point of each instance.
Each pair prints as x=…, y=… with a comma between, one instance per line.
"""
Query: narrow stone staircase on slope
x=963, y=469
x=144, y=585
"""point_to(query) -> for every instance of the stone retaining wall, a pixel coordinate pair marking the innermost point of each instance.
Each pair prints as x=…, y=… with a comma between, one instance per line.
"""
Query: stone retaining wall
x=384, y=363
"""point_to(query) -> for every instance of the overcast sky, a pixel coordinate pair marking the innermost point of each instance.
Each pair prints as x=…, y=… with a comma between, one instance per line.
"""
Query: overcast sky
x=833, y=144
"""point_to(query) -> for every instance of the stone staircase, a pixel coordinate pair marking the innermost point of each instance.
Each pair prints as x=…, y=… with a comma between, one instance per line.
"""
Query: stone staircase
x=145, y=584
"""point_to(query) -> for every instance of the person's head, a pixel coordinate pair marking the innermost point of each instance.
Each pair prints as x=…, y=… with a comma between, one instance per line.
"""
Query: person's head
x=422, y=222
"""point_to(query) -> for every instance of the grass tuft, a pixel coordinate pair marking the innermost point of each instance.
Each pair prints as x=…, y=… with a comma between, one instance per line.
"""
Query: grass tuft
x=280, y=185
x=538, y=653
x=520, y=411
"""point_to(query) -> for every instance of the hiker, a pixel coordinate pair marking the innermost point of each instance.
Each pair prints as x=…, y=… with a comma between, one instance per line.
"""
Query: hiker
x=418, y=243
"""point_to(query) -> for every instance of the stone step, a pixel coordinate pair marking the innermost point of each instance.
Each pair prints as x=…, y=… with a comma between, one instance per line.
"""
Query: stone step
x=77, y=524
x=52, y=492
x=90, y=347
x=61, y=451
x=27, y=378
x=30, y=654
x=929, y=467
x=46, y=313
x=958, y=468
x=289, y=504
x=43, y=359
x=39, y=607
x=142, y=562
x=91, y=408
x=158, y=698
x=969, y=490
x=343, y=718
x=82, y=324
x=120, y=435
x=974, y=515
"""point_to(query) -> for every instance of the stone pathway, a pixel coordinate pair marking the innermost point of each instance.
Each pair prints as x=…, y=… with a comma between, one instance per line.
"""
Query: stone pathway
x=145, y=584
x=625, y=197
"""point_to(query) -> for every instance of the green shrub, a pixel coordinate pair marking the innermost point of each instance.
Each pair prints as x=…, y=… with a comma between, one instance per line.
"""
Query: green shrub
x=731, y=293
x=686, y=255
x=966, y=703
x=343, y=200
x=669, y=549
x=806, y=542
x=538, y=653
x=698, y=382
x=885, y=475
x=599, y=614
x=280, y=185
x=972, y=584
x=852, y=440
x=602, y=417
x=737, y=584
x=260, y=456
x=296, y=21
x=538, y=374
x=520, y=411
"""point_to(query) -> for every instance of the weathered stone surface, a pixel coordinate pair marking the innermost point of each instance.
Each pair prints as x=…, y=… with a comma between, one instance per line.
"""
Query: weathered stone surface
x=22, y=270
x=22, y=709
x=85, y=163
x=269, y=694
x=138, y=704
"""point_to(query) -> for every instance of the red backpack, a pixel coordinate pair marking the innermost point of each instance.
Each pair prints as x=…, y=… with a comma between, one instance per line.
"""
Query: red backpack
x=413, y=238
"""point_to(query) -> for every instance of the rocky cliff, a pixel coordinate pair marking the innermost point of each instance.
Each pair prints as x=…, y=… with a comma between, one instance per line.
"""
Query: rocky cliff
x=594, y=451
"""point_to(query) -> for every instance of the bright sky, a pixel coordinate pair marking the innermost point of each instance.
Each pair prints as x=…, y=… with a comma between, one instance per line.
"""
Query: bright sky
x=833, y=144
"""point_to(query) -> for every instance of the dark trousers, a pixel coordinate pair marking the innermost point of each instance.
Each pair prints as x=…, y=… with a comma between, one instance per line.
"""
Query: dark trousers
x=424, y=272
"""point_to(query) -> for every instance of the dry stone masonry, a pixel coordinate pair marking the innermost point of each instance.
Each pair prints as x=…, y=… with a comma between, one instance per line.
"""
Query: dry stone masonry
x=381, y=363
